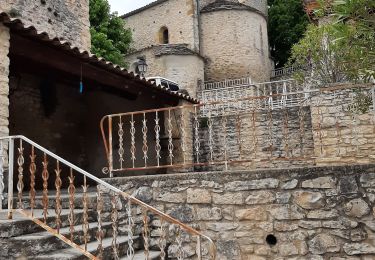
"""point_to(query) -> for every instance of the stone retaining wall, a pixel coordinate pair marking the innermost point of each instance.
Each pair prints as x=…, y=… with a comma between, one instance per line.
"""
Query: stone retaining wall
x=344, y=127
x=306, y=213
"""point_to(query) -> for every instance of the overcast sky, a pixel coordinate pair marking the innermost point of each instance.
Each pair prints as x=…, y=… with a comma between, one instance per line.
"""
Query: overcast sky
x=125, y=6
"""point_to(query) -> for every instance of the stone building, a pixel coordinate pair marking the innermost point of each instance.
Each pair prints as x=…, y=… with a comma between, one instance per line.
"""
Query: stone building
x=201, y=40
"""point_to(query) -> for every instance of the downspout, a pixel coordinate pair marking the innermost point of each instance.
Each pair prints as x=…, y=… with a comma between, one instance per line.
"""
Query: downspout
x=199, y=26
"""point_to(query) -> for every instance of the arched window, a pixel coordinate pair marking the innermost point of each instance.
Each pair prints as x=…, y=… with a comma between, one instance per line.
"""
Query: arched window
x=164, y=35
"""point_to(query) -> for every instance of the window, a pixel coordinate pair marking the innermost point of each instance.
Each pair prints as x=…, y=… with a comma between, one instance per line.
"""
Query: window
x=164, y=35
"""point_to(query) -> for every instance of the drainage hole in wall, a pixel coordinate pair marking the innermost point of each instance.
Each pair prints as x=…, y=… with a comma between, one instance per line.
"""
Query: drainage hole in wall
x=271, y=240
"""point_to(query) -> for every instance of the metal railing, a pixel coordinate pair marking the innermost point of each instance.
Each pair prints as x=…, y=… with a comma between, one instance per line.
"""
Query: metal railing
x=283, y=71
x=280, y=93
x=20, y=155
x=278, y=129
x=226, y=83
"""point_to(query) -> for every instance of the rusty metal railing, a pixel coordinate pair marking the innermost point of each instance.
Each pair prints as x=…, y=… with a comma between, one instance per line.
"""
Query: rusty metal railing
x=272, y=129
x=20, y=158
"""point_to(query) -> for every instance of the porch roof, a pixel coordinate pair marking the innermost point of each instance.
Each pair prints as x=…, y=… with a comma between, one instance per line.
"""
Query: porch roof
x=96, y=68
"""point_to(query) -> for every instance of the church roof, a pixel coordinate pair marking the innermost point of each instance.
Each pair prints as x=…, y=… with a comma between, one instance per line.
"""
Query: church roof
x=228, y=5
x=87, y=57
x=152, y=4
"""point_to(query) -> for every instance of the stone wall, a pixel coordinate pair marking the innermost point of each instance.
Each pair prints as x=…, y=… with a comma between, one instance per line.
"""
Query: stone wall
x=335, y=127
x=344, y=128
x=4, y=80
x=178, y=16
x=235, y=43
x=258, y=141
x=67, y=20
x=307, y=213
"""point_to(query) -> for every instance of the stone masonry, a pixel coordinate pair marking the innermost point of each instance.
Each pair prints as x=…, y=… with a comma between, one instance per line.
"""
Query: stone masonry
x=306, y=213
x=326, y=131
x=67, y=20
x=343, y=134
x=4, y=80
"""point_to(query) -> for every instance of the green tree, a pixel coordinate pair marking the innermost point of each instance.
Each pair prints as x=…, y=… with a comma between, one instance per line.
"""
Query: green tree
x=287, y=23
x=109, y=38
x=341, y=46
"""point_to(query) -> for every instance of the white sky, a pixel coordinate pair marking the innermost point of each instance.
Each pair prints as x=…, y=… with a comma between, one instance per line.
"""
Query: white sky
x=125, y=6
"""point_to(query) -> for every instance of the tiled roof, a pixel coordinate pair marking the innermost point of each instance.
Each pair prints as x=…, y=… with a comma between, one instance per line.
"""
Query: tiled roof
x=86, y=56
x=228, y=5
x=152, y=4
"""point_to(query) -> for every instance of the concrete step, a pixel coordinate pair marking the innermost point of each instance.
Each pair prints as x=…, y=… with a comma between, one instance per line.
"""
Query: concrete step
x=75, y=254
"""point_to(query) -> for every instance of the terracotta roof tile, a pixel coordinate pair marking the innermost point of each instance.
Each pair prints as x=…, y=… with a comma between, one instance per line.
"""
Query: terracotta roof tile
x=85, y=55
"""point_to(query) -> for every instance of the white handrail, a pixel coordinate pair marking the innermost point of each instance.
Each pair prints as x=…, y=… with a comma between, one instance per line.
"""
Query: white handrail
x=98, y=181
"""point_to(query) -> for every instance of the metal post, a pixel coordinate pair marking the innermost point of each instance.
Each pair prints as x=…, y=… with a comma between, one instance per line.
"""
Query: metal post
x=10, y=178
x=2, y=162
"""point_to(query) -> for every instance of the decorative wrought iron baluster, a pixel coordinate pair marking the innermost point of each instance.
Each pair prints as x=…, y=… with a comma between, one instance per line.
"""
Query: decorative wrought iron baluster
x=254, y=133
x=114, y=218
x=121, y=150
x=100, y=232
x=286, y=131
x=146, y=233
x=224, y=122
x=301, y=118
x=183, y=135
x=180, y=249
x=355, y=131
x=239, y=133
x=337, y=125
x=170, y=138
x=130, y=252
x=58, y=208
x=157, y=138
x=270, y=129
x=71, y=216
x=110, y=149
x=144, y=133
x=45, y=176
x=2, y=166
x=32, y=170
x=196, y=135
x=162, y=240
x=210, y=137
x=85, y=224
x=20, y=184
x=132, y=134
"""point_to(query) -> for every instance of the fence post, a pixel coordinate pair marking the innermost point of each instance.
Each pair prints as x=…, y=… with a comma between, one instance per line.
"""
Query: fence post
x=10, y=178
x=2, y=166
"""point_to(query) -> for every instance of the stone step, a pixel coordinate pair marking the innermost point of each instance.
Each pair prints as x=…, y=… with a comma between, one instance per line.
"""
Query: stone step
x=75, y=254
x=42, y=242
x=78, y=200
x=21, y=225
x=140, y=255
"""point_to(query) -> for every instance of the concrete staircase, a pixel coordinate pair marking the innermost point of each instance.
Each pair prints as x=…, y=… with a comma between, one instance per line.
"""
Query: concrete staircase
x=21, y=238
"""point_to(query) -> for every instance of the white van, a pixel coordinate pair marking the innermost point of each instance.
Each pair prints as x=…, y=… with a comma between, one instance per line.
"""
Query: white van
x=171, y=85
